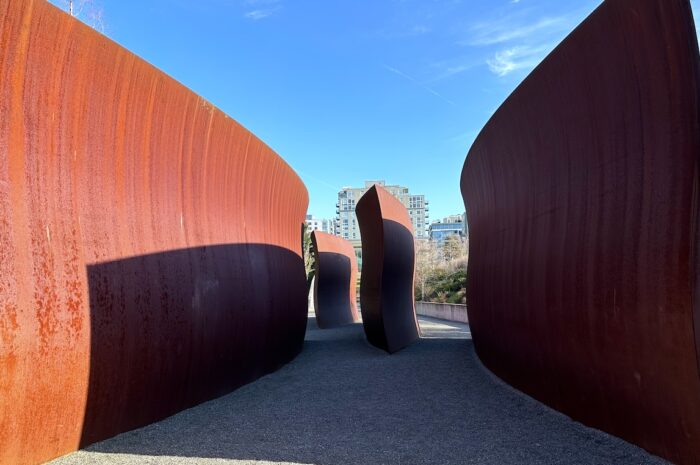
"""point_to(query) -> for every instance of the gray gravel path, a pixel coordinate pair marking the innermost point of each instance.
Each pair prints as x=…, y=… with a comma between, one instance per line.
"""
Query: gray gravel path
x=344, y=402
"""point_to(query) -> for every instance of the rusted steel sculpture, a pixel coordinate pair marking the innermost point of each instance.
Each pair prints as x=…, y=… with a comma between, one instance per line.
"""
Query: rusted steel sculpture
x=582, y=198
x=335, y=288
x=150, y=253
x=388, y=271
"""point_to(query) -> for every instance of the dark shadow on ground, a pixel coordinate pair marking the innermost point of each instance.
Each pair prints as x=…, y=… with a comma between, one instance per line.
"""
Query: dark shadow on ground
x=343, y=401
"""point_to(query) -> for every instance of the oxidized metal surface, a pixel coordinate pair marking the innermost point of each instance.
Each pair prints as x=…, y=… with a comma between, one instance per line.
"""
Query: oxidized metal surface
x=388, y=271
x=150, y=253
x=335, y=288
x=582, y=199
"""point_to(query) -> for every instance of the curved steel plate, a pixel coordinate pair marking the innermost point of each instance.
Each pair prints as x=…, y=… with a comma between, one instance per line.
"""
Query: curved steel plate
x=335, y=288
x=150, y=254
x=388, y=270
x=582, y=199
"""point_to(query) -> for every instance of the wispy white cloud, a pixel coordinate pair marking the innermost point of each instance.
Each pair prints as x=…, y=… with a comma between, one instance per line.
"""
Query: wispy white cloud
x=421, y=29
x=515, y=58
x=521, y=39
x=506, y=30
x=262, y=8
x=453, y=70
x=467, y=136
x=400, y=32
x=449, y=68
x=419, y=84
x=261, y=14
x=318, y=181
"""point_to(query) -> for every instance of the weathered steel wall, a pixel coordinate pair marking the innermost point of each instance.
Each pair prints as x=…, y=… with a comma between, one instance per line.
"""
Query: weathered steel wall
x=388, y=271
x=335, y=288
x=582, y=199
x=150, y=252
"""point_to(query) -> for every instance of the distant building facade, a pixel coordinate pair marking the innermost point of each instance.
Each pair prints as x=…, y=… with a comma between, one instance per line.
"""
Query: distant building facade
x=452, y=226
x=320, y=224
x=346, y=222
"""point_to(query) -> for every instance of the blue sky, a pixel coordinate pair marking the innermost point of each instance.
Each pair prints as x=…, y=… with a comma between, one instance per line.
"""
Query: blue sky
x=348, y=90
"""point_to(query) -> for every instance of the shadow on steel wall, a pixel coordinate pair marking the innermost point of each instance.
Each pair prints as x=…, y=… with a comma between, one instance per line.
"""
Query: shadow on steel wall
x=398, y=306
x=334, y=292
x=386, y=290
x=331, y=290
x=388, y=271
x=173, y=329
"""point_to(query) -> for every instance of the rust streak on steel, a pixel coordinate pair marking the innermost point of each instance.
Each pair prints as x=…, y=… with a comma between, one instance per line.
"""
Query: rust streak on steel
x=150, y=253
x=388, y=271
x=335, y=288
x=582, y=199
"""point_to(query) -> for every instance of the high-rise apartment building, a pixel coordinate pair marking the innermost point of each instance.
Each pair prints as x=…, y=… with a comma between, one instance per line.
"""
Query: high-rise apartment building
x=319, y=224
x=453, y=225
x=346, y=222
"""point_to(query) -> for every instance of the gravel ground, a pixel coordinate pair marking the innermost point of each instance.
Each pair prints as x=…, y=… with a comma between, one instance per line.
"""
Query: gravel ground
x=344, y=402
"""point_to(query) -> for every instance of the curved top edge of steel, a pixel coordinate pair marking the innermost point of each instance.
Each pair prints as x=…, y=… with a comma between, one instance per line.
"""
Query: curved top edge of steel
x=541, y=68
x=390, y=207
x=85, y=29
x=532, y=76
x=324, y=242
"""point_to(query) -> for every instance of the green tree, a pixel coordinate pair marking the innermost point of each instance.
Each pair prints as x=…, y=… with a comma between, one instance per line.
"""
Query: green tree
x=309, y=261
x=426, y=263
x=87, y=11
x=453, y=248
x=441, y=271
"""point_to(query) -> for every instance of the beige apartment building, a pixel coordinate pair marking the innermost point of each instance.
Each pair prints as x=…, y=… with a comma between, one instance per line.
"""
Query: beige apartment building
x=346, y=222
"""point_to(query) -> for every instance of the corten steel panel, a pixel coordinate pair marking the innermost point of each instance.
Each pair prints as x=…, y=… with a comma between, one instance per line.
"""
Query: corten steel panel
x=388, y=271
x=582, y=199
x=150, y=254
x=335, y=288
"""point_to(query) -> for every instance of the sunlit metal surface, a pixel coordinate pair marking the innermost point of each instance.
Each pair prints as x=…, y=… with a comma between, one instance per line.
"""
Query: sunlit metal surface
x=150, y=254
